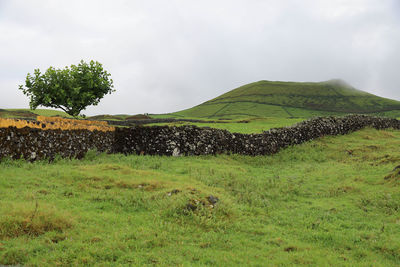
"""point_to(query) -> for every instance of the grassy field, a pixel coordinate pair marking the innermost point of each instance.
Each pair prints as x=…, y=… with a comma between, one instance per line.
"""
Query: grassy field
x=334, y=201
x=292, y=99
x=243, y=125
x=27, y=113
x=246, y=125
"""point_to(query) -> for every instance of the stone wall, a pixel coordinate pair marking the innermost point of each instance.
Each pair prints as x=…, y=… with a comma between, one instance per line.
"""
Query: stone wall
x=192, y=140
x=34, y=144
x=51, y=123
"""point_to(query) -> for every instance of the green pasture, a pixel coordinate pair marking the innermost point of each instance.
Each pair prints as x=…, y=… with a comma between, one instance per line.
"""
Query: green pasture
x=247, y=125
x=334, y=201
x=28, y=113
x=292, y=99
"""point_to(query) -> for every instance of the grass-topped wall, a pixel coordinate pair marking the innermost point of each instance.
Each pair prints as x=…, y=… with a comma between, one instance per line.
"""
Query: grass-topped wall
x=52, y=123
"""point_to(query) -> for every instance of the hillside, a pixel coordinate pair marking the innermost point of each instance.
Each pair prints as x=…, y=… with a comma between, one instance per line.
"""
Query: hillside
x=31, y=114
x=293, y=99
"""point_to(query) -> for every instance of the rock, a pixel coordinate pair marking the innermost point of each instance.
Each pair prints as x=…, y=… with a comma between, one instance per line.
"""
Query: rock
x=212, y=199
x=173, y=192
x=191, y=207
x=176, y=152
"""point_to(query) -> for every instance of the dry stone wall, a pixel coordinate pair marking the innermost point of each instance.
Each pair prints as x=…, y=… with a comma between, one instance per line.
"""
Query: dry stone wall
x=192, y=140
x=33, y=144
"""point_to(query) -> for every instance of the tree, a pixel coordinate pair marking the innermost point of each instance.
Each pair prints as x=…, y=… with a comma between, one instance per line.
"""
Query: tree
x=71, y=89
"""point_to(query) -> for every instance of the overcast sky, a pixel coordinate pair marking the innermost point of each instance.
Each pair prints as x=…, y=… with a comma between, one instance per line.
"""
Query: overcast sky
x=165, y=56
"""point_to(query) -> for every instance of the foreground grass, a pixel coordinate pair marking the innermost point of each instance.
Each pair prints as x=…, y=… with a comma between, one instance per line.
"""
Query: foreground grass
x=334, y=201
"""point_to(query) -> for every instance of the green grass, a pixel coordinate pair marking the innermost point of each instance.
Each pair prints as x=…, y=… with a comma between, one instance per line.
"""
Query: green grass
x=47, y=112
x=292, y=99
x=28, y=113
x=247, y=125
x=323, y=203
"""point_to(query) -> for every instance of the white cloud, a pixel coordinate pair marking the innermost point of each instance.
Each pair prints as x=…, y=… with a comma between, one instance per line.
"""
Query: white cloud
x=169, y=55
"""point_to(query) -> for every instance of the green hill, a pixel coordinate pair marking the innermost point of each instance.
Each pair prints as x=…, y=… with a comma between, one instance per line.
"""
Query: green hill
x=31, y=114
x=293, y=99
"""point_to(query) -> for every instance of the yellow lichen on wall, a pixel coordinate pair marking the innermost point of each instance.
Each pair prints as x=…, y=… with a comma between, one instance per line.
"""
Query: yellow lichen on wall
x=48, y=123
x=4, y=123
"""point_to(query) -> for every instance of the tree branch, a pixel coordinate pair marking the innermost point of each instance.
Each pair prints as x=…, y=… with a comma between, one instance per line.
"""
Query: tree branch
x=61, y=107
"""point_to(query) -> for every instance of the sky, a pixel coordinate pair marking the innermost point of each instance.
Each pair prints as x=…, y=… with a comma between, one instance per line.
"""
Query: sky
x=166, y=56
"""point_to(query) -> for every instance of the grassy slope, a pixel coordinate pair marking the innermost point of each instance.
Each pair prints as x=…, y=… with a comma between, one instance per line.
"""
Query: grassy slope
x=27, y=113
x=321, y=203
x=292, y=99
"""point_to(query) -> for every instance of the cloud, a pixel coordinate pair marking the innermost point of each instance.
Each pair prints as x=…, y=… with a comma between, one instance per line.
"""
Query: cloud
x=169, y=55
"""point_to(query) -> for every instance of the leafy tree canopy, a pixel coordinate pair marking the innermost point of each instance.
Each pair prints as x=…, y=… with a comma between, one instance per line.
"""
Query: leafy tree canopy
x=71, y=89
